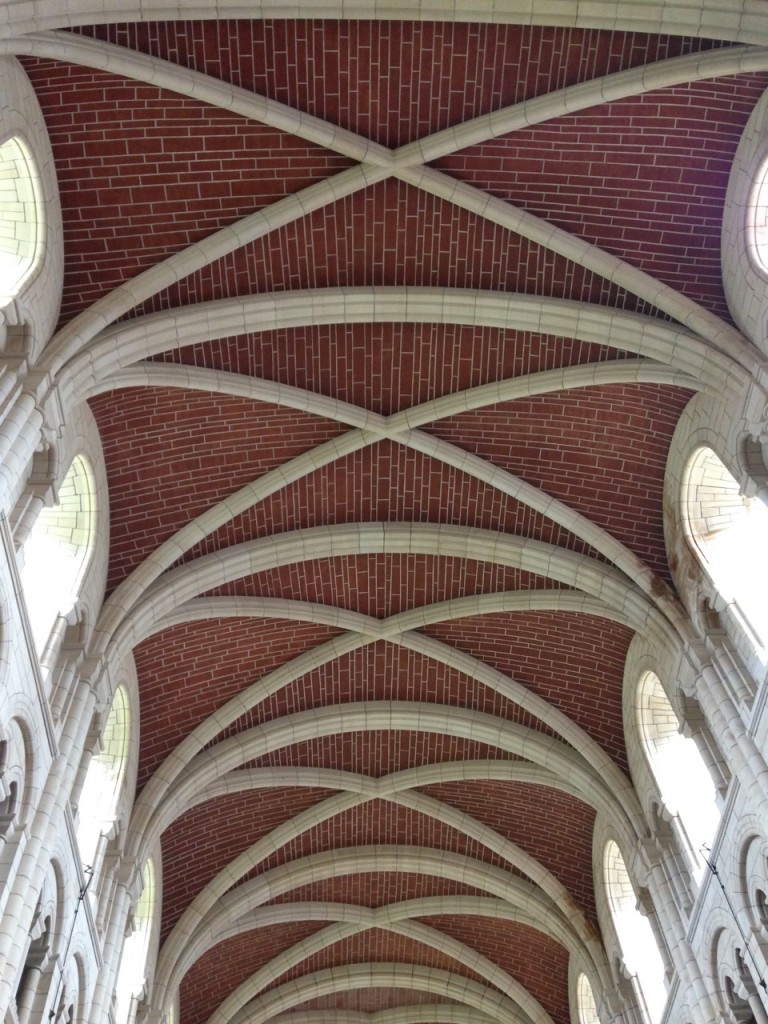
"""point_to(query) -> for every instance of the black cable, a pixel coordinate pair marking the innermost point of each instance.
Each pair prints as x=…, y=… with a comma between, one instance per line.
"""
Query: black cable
x=88, y=872
x=716, y=873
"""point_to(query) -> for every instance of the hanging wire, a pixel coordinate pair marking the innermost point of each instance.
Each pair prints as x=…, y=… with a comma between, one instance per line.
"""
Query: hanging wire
x=713, y=868
x=88, y=872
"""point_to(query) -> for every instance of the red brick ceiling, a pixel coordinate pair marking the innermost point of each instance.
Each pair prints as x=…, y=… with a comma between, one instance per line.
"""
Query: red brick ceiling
x=144, y=173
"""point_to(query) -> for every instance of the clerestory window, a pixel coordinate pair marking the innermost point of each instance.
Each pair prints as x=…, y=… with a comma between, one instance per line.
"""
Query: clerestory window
x=21, y=217
x=57, y=552
x=758, y=216
x=585, y=1001
x=729, y=533
x=633, y=930
x=104, y=778
x=131, y=977
x=684, y=783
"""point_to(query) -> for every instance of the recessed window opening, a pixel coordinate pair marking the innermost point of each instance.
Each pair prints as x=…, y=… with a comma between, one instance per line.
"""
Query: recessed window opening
x=762, y=907
x=57, y=552
x=638, y=946
x=103, y=780
x=585, y=1000
x=730, y=533
x=685, y=785
x=758, y=215
x=21, y=217
x=132, y=974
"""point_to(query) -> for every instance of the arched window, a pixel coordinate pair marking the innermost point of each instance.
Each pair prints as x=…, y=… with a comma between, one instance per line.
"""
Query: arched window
x=684, y=783
x=103, y=781
x=585, y=1001
x=730, y=534
x=132, y=974
x=758, y=215
x=638, y=946
x=57, y=552
x=21, y=217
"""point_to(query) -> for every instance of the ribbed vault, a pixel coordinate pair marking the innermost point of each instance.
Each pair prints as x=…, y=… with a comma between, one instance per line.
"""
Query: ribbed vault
x=386, y=327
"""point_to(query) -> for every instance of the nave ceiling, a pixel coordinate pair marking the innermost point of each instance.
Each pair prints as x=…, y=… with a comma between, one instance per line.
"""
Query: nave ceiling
x=418, y=368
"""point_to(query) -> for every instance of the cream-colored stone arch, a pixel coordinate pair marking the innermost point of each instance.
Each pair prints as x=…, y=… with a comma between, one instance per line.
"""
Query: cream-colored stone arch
x=753, y=885
x=744, y=268
x=414, y=618
x=421, y=1013
x=574, y=570
x=474, y=668
x=153, y=816
x=233, y=910
x=514, y=900
x=501, y=1008
x=204, y=734
x=397, y=629
x=416, y=931
x=638, y=371
x=120, y=345
x=386, y=537
x=559, y=103
x=256, y=225
x=127, y=594
x=20, y=770
x=355, y=787
x=734, y=20
x=731, y=972
x=398, y=788
x=380, y=427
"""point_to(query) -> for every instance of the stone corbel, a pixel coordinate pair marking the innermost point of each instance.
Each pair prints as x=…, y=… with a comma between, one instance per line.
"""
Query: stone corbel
x=645, y=857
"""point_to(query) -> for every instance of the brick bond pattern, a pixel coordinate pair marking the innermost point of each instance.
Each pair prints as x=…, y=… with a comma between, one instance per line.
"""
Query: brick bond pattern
x=144, y=173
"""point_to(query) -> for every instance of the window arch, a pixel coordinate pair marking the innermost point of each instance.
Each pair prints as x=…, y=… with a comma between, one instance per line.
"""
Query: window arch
x=684, y=782
x=21, y=217
x=729, y=533
x=638, y=946
x=58, y=550
x=585, y=1001
x=758, y=216
x=131, y=976
x=104, y=778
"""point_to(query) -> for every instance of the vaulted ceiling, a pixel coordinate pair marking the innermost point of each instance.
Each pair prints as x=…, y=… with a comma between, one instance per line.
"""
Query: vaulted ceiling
x=416, y=462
